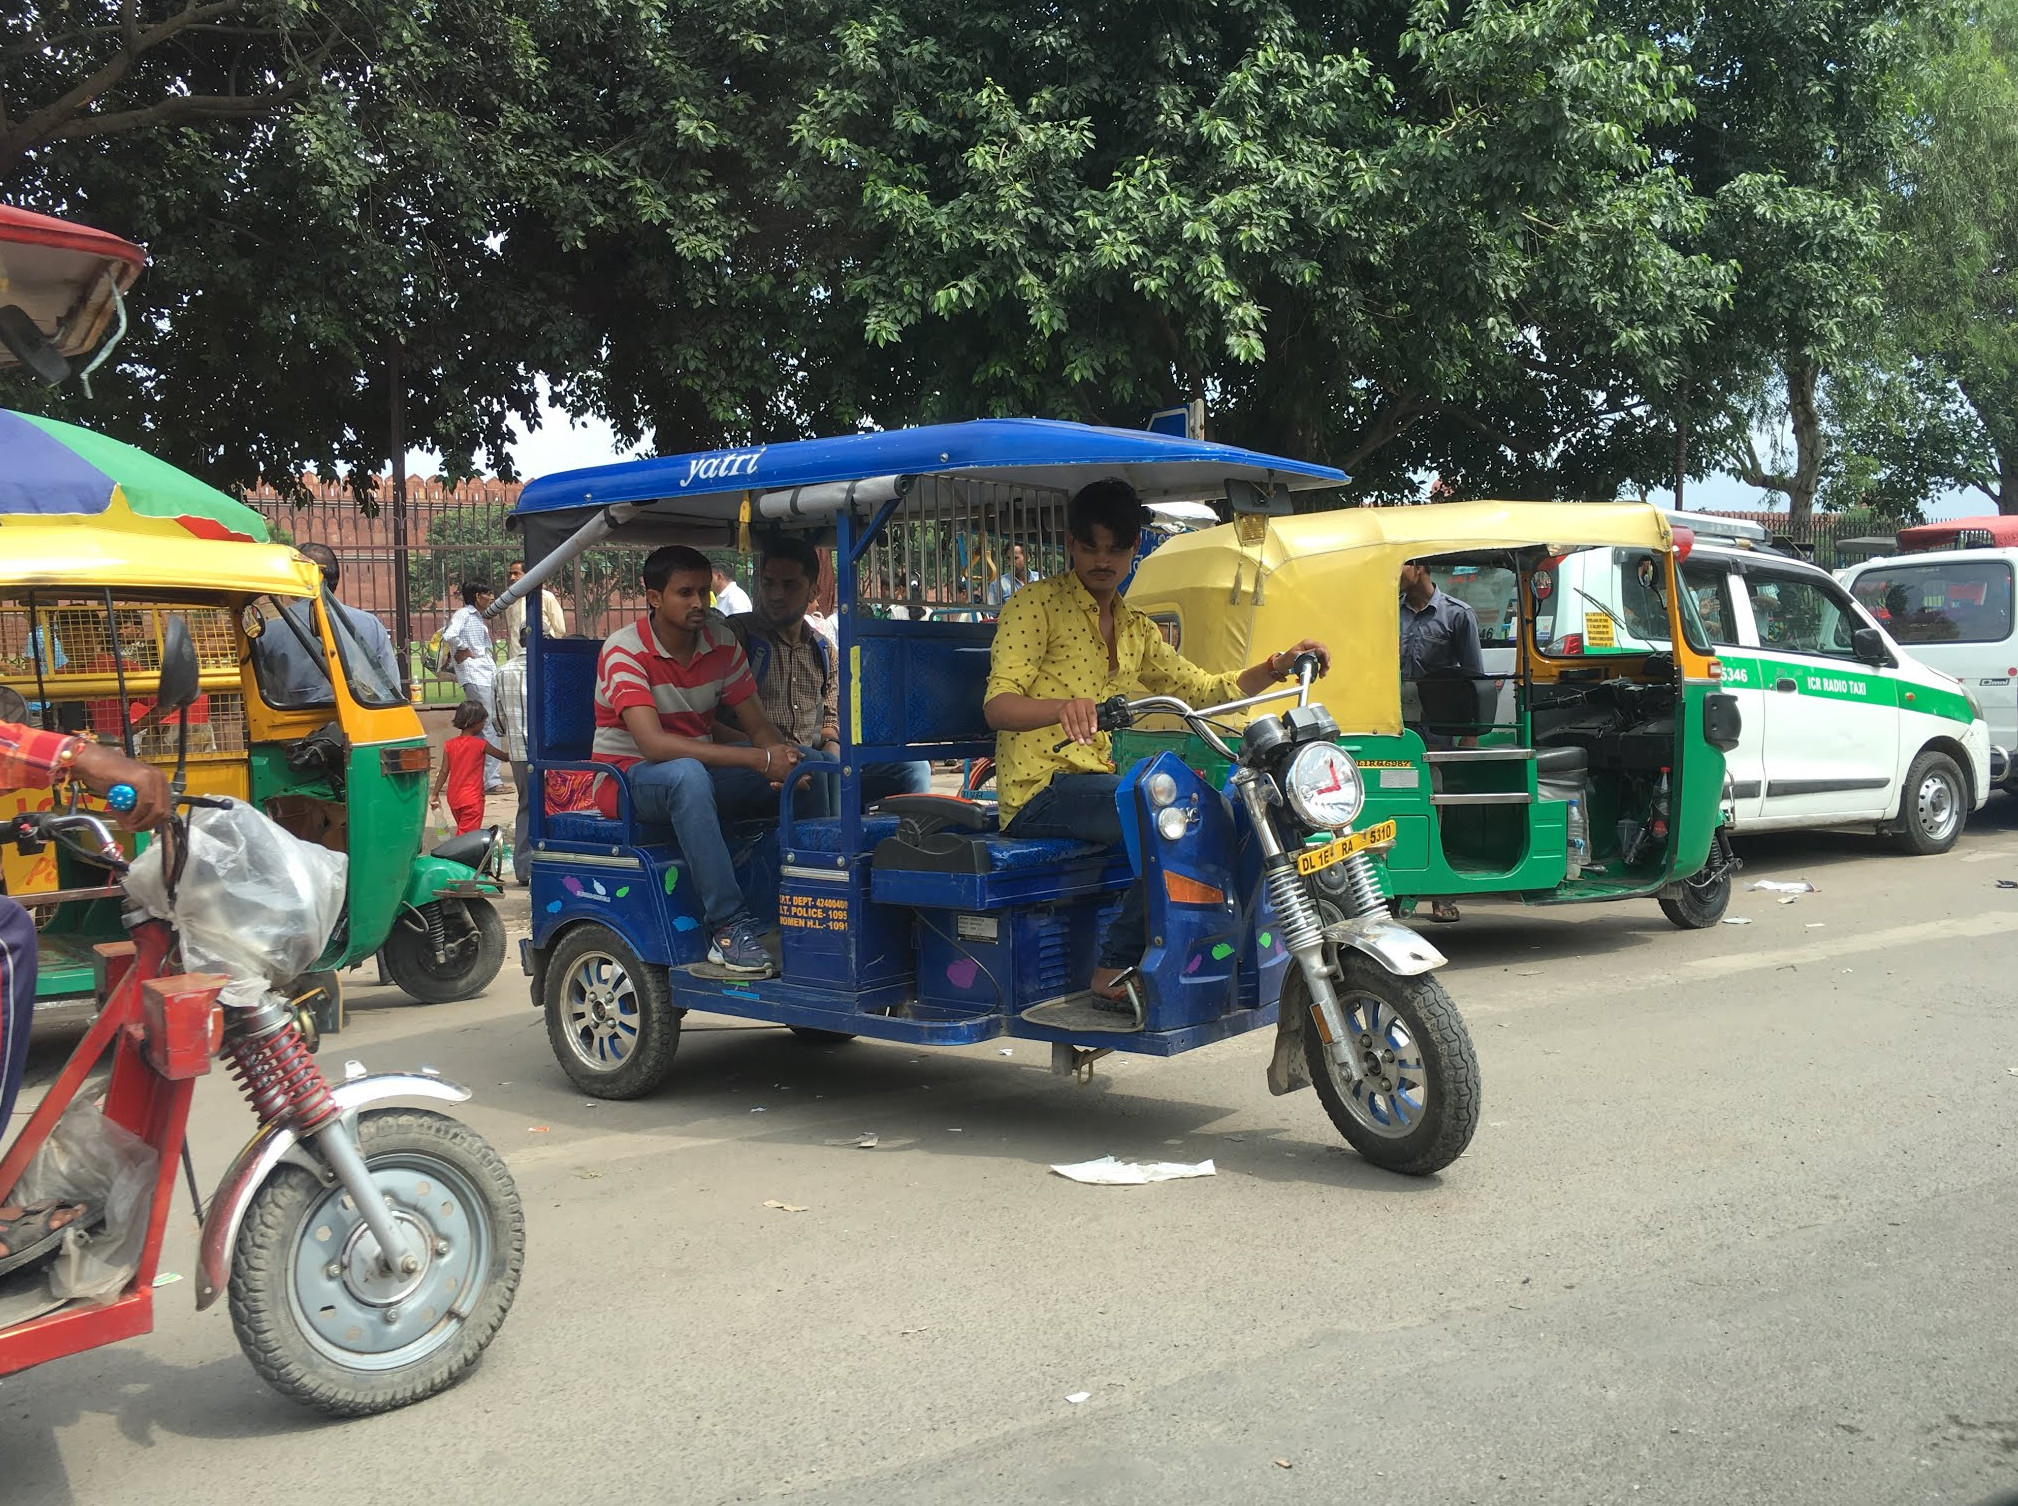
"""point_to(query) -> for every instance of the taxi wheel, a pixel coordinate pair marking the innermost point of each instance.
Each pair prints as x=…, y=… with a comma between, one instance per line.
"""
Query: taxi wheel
x=1932, y=805
x=610, y=1015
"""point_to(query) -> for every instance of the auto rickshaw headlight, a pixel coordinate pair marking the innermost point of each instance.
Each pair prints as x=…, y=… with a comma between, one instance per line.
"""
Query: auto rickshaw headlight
x=1162, y=789
x=1172, y=822
x=1324, y=786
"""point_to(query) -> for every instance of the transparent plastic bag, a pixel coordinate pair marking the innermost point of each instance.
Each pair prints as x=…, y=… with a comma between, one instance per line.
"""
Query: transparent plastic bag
x=89, y=1159
x=255, y=902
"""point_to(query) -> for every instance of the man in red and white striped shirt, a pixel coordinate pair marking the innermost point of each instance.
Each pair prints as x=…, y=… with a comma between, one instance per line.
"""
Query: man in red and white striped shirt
x=659, y=684
x=33, y=759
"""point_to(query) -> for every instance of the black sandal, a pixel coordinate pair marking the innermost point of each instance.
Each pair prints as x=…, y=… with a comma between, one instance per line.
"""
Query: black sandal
x=33, y=1233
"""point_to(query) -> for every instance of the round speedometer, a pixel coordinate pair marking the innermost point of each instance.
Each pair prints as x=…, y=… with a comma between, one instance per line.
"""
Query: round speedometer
x=1324, y=786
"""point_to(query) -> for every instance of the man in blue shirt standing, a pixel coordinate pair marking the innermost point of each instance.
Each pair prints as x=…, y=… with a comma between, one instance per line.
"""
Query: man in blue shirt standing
x=1439, y=636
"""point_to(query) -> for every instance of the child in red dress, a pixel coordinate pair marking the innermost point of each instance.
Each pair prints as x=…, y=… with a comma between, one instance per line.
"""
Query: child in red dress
x=461, y=770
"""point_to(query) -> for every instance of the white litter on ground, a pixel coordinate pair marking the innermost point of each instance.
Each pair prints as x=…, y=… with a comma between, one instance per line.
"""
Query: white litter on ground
x=1078, y=1396
x=1737, y=920
x=1108, y=1172
x=1782, y=886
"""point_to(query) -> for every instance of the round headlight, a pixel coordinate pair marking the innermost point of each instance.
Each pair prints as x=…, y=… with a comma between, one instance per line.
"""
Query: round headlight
x=1171, y=822
x=1162, y=789
x=1323, y=785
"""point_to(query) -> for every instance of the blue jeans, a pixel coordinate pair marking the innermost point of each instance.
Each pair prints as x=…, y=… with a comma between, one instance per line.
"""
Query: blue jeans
x=697, y=801
x=878, y=780
x=1081, y=806
x=17, y=1003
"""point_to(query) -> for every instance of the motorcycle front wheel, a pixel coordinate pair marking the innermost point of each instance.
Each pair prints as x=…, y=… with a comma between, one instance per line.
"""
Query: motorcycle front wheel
x=1417, y=1106
x=318, y=1316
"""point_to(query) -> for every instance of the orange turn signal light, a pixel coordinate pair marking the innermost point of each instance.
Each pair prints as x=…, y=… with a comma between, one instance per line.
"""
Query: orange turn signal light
x=1189, y=891
x=404, y=760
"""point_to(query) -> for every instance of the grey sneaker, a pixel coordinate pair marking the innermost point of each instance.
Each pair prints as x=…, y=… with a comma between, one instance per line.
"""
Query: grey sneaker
x=736, y=947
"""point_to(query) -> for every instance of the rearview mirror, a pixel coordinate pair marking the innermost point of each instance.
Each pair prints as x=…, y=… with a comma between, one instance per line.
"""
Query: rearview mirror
x=179, y=673
x=13, y=705
x=28, y=345
x=1868, y=644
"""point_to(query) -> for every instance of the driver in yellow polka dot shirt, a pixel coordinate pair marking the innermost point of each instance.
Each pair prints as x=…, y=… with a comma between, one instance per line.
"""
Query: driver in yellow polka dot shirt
x=1062, y=646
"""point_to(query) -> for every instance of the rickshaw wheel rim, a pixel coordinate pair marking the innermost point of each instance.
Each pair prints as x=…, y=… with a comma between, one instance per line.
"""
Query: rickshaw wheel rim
x=603, y=1012
x=1393, y=1099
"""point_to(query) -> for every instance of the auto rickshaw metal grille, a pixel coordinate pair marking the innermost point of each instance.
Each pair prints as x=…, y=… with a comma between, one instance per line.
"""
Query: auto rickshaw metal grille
x=945, y=548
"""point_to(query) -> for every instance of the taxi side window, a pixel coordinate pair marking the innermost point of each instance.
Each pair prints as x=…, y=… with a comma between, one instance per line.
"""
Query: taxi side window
x=1800, y=616
x=1709, y=587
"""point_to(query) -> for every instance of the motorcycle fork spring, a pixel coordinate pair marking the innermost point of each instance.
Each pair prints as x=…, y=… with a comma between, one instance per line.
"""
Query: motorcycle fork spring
x=280, y=1079
x=1363, y=886
x=1295, y=912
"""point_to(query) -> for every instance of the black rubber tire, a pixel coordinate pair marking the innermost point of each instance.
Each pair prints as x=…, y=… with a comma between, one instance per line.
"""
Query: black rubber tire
x=645, y=1069
x=278, y=1219
x=1911, y=837
x=1450, y=1065
x=409, y=955
x=1699, y=905
x=814, y=1037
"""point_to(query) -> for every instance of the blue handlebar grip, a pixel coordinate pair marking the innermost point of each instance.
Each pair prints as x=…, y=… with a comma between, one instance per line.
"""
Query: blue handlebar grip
x=122, y=798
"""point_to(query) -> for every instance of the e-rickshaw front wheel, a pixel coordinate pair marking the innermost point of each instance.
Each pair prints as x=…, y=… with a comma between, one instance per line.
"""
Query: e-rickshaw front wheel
x=610, y=1015
x=1418, y=1104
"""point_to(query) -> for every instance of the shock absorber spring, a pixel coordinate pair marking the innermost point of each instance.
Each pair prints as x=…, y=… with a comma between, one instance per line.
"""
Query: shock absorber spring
x=1295, y=913
x=280, y=1079
x=437, y=933
x=1363, y=883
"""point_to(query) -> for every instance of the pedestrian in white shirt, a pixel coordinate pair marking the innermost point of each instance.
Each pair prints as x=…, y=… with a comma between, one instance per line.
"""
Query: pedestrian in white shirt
x=552, y=623
x=511, y=726
x=730, y=598
x=475, y=667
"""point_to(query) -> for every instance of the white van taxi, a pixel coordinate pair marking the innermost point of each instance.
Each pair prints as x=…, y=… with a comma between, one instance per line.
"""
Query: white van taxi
x=1953, y=609
x=1840, y=725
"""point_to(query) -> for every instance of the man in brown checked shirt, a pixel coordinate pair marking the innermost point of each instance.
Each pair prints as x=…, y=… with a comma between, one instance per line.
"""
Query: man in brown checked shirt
x=796, y=678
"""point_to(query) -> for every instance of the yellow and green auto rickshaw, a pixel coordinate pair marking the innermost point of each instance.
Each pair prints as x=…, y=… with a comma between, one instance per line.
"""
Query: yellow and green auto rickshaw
x=1554, y=771
x=100, y=546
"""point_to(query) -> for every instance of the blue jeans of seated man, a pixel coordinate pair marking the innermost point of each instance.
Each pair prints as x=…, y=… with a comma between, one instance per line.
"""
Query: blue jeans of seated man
x=878, y=780
x=697, y=801
x=1081, y=806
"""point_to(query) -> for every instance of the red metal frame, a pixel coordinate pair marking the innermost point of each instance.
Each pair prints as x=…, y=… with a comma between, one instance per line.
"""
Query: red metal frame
x=24, y=227
x=152, y=1106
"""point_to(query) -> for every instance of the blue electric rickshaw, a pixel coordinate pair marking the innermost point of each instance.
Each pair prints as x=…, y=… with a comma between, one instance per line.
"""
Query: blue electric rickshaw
x=918, y=921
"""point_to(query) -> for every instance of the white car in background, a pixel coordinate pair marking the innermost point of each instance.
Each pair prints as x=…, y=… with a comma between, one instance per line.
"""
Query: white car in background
x=1954, y=609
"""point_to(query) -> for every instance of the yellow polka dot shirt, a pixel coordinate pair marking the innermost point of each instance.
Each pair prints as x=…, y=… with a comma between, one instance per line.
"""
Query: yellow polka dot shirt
x=1048, y=645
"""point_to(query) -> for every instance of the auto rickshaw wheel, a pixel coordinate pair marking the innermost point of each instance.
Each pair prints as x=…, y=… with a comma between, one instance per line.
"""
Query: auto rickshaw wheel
x=1418, y=1105
x=317, y=1313
x=610, y=1015
x=1699, y=902
x=475, y=947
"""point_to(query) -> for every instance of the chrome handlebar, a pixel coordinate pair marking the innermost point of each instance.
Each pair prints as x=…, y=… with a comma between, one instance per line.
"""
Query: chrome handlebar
x=1306, y=671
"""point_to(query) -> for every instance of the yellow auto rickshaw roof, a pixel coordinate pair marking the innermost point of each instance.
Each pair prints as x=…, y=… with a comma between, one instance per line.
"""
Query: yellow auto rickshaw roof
x=71, y=556
x=1250, y=587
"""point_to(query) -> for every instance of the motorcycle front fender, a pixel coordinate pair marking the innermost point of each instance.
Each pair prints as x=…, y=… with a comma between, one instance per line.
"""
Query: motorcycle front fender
x=1390, y=943
x=275, y=1143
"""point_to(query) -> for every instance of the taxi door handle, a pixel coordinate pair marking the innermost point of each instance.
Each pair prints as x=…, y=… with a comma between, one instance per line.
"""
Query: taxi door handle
x=1785, y=687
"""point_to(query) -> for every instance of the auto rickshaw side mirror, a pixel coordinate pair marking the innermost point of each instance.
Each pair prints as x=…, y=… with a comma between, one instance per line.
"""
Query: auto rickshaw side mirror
x=180, y=677
x=1868, y=644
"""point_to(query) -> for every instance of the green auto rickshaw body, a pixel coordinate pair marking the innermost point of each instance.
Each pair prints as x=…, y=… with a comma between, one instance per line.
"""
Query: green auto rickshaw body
x=1480, y=798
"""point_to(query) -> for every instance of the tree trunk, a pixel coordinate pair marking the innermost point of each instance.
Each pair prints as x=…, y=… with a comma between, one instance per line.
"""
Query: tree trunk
x=1810, y=448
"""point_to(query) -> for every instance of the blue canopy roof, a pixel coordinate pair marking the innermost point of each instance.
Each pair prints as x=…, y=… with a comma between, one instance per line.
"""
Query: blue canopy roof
x=1033, y=452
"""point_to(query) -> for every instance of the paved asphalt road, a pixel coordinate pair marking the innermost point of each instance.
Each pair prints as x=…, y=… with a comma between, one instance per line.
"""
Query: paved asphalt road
x=1738, y=1225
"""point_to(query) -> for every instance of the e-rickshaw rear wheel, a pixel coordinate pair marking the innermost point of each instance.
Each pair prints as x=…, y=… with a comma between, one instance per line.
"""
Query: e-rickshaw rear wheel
x=1418, y=1105
x=610, y=1014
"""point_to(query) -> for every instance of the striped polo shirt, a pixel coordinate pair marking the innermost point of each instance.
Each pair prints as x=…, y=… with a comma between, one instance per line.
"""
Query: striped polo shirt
x=634, y=669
